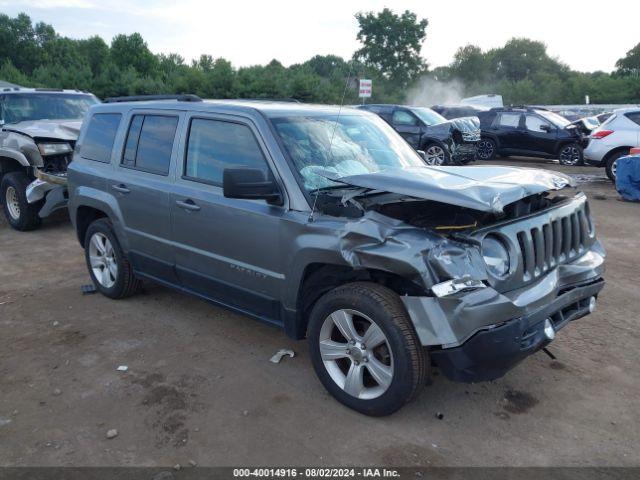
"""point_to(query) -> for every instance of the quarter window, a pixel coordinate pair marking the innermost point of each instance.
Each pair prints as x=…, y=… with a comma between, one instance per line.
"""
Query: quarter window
x=510, y=120
x=215, y=145
x=634, y=117
x=150, y=142
x=101, y=133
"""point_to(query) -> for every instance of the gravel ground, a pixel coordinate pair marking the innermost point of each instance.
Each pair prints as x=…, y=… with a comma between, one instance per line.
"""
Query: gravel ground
x=200, y=387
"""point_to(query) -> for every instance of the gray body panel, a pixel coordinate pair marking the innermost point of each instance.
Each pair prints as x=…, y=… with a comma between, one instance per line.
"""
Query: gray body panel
x=253, y=256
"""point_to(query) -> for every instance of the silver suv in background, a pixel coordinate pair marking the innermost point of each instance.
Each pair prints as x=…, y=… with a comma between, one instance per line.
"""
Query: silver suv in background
x=613, y=139
x=326, y=223
x=38, y=131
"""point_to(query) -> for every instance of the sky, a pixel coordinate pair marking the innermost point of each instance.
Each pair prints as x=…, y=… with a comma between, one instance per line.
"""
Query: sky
x=586, y=35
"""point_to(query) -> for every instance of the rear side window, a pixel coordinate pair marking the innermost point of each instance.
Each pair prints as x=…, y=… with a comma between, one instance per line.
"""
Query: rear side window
x=634, y=117
x=215, y=145
x=101, y=133
x=149, y=143
x=509, y=120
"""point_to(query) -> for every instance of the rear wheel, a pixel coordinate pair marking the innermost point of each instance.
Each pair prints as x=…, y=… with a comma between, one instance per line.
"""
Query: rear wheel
x=108, y=266
x=20, y=214
x=487, y=149
x=365, y=350
x=570, y=154
x=612, y=163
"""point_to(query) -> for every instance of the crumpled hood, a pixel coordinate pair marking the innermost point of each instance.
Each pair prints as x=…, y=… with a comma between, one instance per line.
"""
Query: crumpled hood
x=463, y=124
x=484, y=188
x=57, y=129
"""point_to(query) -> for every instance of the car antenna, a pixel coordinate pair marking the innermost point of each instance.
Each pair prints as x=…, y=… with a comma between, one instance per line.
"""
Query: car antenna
x=333, y=132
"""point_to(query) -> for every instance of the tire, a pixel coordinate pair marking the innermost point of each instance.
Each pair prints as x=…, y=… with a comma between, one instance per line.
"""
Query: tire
x=436, y=155
x=399, y=361
x=21, y=215
x=117, y=279
x=610, y=165
x=570, y=155
x=487, y=149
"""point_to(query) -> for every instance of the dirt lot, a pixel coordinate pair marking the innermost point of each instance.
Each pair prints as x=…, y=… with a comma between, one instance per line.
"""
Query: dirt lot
x=200, y=385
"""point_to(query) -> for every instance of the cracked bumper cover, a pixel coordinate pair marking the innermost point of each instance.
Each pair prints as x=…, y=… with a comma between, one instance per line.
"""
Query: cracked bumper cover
x=480, y=335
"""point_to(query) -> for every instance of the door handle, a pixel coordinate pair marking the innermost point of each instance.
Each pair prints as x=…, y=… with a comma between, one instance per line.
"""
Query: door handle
x=188, y=204
x=122, y=188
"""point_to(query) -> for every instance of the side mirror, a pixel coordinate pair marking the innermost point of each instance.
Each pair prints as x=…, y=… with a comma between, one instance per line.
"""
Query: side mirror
x=251, y=184
x=422, y=154
x=545, y=128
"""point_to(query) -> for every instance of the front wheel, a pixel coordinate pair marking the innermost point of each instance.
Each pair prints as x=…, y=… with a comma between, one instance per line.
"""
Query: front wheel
x=487, y=149
x=20, y=214
x=435, y=155
x=365, y=350
x=570, y=155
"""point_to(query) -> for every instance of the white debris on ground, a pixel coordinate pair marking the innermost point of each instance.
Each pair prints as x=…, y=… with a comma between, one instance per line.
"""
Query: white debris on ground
x=281, y=353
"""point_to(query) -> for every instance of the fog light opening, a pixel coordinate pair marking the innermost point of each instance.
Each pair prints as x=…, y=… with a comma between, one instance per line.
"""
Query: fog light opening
x=592, y=304
x=549, y=331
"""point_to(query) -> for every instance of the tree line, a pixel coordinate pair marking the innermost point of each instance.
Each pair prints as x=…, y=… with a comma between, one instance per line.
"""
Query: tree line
x=34, y=54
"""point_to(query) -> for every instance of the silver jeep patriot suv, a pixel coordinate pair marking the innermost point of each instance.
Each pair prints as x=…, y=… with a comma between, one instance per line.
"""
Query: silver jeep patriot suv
x=323, y=221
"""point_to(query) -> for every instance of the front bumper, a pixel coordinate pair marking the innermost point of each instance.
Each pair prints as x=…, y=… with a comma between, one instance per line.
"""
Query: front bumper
x=491, y=353
x=52, y=188
x=478, y=334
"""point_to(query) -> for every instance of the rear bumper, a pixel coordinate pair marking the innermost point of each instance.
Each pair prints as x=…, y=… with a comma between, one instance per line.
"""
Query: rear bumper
x=491, y=353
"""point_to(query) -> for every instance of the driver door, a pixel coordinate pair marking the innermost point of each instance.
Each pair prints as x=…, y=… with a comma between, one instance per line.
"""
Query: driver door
x=540, y=136
x=407, y=125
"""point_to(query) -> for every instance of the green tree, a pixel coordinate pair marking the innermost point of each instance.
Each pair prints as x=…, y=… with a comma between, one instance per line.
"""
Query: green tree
x=132, y=51
x=391, y=44
x=630, y=63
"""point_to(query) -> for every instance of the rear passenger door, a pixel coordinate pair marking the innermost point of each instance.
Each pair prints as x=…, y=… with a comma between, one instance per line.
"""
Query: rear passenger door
x=227, y=250
x=141, y=186
x=507, y=126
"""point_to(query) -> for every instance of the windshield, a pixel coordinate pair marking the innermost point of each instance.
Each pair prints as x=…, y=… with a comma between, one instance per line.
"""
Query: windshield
x=320, y=147
x=428, y=116
x=40, y=106
x=557, y=120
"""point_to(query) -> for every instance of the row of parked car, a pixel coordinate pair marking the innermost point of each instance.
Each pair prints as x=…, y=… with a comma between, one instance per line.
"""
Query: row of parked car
x=450, y=134
x=319, y=220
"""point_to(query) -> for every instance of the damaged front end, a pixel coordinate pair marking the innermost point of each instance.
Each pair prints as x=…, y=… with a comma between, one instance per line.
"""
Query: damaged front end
x=460, y=136
x=503, y=263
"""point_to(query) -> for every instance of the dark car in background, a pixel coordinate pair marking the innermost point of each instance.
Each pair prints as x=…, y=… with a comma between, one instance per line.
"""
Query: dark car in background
x=458, y=111
x=444, y=142
x=531, y=132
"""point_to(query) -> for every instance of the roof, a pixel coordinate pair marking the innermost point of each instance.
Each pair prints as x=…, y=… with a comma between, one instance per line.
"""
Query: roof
x=267, y=108
x=626, y=110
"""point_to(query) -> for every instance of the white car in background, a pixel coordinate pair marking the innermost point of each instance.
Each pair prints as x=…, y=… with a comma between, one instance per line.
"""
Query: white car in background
x=613, y=139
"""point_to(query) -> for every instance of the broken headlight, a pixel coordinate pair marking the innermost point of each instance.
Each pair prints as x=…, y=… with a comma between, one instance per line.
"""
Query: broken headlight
x=54, y=148
x=496, y=256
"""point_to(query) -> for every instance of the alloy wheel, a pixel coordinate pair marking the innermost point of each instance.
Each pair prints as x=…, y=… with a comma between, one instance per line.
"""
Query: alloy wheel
x=13, y=206
x=570, y=155
x=435, y=155
x=485, y=149
x=356, y=353
x=103, y=260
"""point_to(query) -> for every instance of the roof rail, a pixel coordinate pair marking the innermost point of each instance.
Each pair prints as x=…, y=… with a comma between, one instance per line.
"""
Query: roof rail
x=275, y=99
x=187, y=97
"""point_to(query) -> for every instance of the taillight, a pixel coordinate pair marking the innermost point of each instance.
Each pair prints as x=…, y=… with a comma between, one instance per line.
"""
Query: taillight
x=601, y=133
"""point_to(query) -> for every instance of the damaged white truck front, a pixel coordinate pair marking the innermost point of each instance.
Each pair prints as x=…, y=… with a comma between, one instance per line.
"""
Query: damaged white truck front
x=39, y=129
